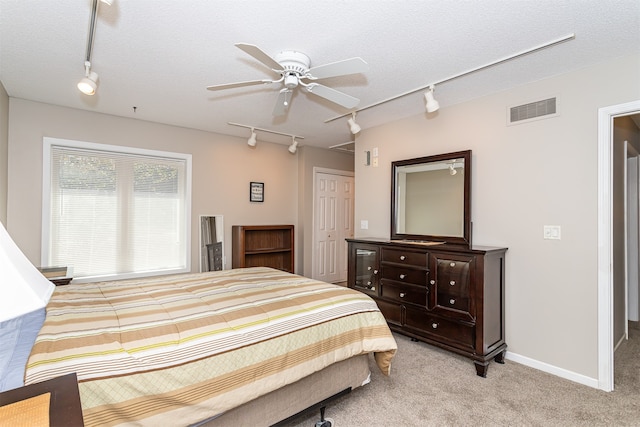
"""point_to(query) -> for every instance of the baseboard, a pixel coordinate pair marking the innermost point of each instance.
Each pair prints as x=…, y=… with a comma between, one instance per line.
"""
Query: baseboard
x=553, y=370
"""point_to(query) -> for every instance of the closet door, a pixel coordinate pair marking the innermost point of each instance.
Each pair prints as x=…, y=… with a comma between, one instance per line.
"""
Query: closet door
x=333, y=223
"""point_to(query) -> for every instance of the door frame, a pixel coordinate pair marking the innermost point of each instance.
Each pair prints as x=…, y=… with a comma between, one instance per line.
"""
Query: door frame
x=317, y=170
x=605, y=236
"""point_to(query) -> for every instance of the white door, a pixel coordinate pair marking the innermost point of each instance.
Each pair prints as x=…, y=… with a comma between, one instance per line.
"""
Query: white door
x=333, y=223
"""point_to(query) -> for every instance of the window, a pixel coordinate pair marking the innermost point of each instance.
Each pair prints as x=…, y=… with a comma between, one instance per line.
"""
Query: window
x=114, y=212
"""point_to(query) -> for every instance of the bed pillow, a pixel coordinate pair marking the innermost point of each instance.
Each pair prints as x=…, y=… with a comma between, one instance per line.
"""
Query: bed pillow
x=17, y=336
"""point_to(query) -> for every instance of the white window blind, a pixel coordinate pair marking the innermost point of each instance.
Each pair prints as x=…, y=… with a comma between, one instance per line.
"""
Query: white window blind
x=115, y=213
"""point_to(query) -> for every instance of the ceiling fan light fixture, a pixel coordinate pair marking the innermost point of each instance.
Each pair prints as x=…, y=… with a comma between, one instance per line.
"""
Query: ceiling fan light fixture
x=431, y=104
x=294, y=145
x=252, y=139
x=353, y=126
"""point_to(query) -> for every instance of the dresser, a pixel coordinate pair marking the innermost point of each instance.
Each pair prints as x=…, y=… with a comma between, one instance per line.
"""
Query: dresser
x=446, y=295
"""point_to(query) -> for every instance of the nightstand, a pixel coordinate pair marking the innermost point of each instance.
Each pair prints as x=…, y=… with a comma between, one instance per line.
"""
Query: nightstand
x=65, y=409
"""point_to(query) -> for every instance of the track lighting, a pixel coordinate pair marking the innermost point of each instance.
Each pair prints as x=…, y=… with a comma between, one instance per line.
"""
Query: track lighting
x=551, y=43
x=89, y=82
x=353, y=126
x=252, y=139
x=431, y=103
x=294, y=145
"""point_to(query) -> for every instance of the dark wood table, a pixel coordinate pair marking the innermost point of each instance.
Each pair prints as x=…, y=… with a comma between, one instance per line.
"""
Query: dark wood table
x=64, y=406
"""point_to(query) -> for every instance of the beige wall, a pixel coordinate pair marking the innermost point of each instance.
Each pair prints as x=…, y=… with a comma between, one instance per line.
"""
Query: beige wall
x=4, y=144
x=223, y=166
x=310, y=157
x=524, y=176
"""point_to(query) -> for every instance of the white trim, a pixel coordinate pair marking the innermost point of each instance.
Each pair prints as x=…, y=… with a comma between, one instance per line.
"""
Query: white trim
x=605, y=246
x=551, y=369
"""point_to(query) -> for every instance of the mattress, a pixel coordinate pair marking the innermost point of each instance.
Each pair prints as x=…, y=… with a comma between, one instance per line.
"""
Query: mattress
x=178, y=349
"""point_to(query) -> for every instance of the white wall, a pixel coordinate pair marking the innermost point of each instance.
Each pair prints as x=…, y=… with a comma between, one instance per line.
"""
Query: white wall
x=524, y=176
x=223, y=166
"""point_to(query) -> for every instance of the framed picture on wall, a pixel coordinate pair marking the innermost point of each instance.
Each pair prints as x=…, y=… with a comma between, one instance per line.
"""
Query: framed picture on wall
x=256, y=192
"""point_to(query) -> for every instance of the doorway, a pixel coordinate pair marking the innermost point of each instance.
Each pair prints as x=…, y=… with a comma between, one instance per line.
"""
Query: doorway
x=606, y=295
x=333, y=202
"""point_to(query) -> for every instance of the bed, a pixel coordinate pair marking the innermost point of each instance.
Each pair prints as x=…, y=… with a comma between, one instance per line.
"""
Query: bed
x=245, y=346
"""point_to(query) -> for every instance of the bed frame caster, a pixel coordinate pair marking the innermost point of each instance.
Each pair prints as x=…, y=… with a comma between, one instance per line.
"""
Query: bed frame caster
x=325, y=422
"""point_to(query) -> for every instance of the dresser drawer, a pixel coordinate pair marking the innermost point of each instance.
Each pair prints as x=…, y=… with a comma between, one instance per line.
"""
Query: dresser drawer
x=455, y=302
x=405, y=275
x=454, y=333
x=404, y=293
x=401, y=256
x=453, y=276
x=391, y=312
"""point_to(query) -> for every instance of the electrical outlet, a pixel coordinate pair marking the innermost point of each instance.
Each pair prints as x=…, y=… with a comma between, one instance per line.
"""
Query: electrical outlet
x=375, y=162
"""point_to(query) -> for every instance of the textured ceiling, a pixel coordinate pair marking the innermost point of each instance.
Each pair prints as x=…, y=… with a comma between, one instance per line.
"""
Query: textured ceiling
x=160, y=55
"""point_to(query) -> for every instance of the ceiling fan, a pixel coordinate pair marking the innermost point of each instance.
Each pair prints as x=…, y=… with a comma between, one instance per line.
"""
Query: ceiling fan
x=294, y=71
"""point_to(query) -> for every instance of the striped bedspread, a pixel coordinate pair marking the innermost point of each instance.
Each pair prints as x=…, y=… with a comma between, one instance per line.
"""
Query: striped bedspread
x=174, y=350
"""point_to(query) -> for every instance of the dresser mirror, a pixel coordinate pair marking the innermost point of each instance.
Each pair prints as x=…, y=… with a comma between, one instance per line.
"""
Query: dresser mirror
x=431, y=198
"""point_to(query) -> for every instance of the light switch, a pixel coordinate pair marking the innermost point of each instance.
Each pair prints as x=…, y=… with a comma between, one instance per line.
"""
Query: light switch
x=552, y=232
x=375, y=152
x=364, y=224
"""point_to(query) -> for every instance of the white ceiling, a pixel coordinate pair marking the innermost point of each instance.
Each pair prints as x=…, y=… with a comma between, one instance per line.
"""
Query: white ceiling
x=160, y=55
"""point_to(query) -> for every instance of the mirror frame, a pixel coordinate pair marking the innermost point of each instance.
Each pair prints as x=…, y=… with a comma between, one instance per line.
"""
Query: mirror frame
x=466, y=232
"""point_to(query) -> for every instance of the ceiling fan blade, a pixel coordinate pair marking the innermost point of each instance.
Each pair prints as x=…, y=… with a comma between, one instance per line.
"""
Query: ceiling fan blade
x=282, y=104
x=340, y=98
x=258, y=54
x=340, y=68
x=238, y=84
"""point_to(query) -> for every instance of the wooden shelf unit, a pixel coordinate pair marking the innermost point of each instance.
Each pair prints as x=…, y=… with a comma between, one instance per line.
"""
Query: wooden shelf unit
x=263, y=246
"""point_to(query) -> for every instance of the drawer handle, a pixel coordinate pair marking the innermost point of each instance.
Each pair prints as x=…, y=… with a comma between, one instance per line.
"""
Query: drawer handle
x=402, y=257
x=453, y=264
x=402, y=276
x=373, y=288
x=434, y=325
x=402, y=294
x=452, y=283
x=369, y=268
x=375, y=271
x=368, y=283
x=452, y=301
x=433, y=282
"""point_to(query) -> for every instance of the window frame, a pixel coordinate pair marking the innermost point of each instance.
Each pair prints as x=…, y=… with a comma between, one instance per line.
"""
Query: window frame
x=49, y=142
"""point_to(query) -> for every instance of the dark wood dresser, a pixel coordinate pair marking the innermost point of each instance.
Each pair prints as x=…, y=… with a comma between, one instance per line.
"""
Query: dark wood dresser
x=450, y=296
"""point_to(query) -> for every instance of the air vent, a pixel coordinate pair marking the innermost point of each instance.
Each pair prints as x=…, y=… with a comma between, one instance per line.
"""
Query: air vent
x=534, y=110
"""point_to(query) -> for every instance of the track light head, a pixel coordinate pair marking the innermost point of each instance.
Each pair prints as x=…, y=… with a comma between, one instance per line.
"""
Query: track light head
x=353, y=126
x=89, y=83
x=252, y=139
x=431, y=103
x=294, y=145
